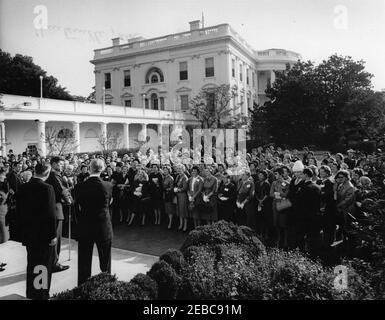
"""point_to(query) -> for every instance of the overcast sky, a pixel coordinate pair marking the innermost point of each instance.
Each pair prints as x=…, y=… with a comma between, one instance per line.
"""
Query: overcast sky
x=314, y=28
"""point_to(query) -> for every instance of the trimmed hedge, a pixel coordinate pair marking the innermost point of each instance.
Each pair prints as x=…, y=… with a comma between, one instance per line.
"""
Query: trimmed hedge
x=223, y=261
x=223, y=232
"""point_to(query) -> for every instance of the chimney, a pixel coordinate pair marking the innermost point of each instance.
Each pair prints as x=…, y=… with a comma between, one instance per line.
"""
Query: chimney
x=116, y=41
x=195, y=25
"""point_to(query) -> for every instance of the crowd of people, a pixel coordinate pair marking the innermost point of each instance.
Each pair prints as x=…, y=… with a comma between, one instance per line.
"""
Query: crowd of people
x=291, y=198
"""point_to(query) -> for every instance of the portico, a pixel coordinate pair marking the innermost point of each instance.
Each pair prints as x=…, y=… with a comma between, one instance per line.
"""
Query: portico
x=25, y=121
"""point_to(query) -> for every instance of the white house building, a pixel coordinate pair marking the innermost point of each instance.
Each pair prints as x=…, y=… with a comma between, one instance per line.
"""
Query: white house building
x=145, y=84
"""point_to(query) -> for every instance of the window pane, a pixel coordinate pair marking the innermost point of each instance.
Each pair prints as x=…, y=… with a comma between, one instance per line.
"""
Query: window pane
x=184, y=102
x=183, y=74
x=107, y=80
x=233, y=68
x=240, y=73
x=209, y=62
x=127, y=103
x=127, y=78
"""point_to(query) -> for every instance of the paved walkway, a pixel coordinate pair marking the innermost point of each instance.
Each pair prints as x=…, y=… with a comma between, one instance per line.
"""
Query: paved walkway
x=125, y=264
x=149, y=239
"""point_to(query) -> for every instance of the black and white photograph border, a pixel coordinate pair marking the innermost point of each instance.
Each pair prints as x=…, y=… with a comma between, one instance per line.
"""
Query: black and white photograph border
x=192, y=150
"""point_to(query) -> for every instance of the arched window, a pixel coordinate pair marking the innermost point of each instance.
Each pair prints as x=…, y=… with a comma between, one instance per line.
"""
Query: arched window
x=155, y=78
x=154, y=75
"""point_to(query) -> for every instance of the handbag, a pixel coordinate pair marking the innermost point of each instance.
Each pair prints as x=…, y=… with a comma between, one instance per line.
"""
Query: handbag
x=283, y=204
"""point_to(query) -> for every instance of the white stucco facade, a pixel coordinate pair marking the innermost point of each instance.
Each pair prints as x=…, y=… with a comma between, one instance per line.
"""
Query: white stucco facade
x=24, y=121
x=144, y=86
x=234, y=60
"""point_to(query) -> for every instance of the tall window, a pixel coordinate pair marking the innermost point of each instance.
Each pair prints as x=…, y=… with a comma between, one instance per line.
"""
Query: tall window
x=233, y=68
x=154, y=101
x=107, y=80
x=127, y=103
x=247, y=76
x=184, y=102
x=209, y=67
x=253, y=79
x=240, y=73
x=211, y=101
x=183, y=73
x=127, y=78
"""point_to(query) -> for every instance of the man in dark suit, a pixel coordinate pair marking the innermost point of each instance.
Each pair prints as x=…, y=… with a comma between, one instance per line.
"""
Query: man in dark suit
x=93, y=196
x=308, y=212
x=56, y=180
x=14, y=181
x=35, y=204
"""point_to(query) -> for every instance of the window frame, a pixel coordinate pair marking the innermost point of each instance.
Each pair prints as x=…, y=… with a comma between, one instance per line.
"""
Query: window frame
x=127, y=79
x=182, y=97
x=130, y=102
x=107, y=81
x=208, y=70
x=183, y=74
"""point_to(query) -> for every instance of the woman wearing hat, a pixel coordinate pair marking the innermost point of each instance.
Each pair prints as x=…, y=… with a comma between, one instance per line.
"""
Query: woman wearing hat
x=209, y=194
x=294, y=195
x=140, y=197
x=156, y=191
x=180, y=188
x=245, y=214
x=168, y=186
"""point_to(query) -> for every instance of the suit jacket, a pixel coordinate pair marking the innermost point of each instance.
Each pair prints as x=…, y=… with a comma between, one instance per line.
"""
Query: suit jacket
x=35, y=205
x=56, y=181
x=346, y=198
x=93, y=197
x=309, y=201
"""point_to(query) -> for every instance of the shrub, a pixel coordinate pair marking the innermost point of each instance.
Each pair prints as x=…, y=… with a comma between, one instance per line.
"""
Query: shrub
x=85, y=291
x=175, y=259
x=167, y=279
x=147, y=286
x=116, y=290
x=293, y=276
x=223, y=232
x=225, y=271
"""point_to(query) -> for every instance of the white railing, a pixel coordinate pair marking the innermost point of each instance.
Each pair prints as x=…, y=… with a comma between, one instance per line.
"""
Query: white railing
x=19, y=103
x=219, y=30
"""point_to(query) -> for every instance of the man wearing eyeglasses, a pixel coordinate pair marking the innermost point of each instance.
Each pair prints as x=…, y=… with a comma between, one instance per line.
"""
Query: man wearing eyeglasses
x=345, y=196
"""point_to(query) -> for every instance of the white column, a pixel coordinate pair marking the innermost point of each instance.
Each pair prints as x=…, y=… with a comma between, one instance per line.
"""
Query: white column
x=41, y=145
x=76, y=131
x=3, y=141
x=143, y=133
x=103, y=130
x=159, y=129
x=272, y=77
x=143, y=102
x=126, y=135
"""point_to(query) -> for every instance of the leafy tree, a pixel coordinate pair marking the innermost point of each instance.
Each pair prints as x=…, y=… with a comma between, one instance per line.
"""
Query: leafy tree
x=331, y=103
x=212, y=107
x=20, y=75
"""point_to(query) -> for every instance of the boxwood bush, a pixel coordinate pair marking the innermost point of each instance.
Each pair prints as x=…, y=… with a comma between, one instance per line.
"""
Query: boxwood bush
x=223, y=261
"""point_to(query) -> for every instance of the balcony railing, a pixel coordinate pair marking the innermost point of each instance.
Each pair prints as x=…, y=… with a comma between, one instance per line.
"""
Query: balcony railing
x=22, y=103
x=173, y=39
x=278, y=53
